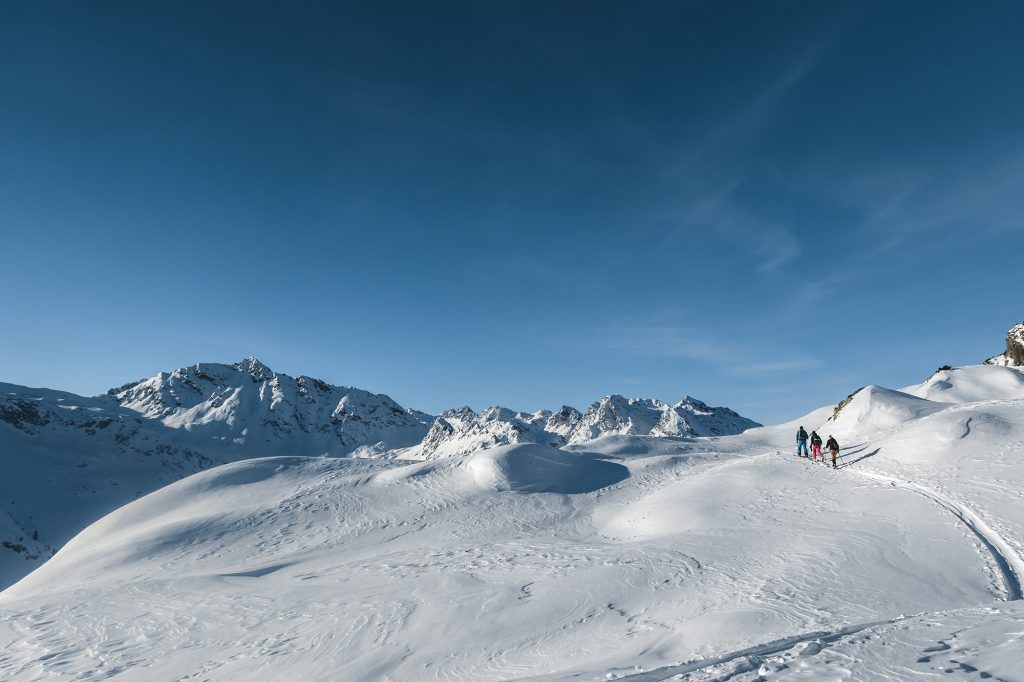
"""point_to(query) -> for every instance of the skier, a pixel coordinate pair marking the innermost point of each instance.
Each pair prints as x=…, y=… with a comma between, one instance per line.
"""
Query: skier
x=816, y=447
x=801, y=442
x=833, y=448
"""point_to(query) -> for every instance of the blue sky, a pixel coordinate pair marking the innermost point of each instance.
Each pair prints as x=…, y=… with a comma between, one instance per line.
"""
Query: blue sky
x=764, y=205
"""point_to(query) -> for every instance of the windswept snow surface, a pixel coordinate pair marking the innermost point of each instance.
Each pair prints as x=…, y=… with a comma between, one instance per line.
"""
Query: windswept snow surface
x=632, y=557
x=971, y=384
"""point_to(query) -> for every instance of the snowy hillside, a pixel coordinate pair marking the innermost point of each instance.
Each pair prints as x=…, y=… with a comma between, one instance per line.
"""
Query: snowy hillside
x=971, y=384
x=631, y=557
x=68, y=460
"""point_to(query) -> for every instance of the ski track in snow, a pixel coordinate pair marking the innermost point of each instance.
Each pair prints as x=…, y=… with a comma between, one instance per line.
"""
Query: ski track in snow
x=1008, y=561
x=756, y=652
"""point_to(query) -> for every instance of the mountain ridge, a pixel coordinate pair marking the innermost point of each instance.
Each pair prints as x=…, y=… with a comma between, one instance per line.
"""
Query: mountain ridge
x=97, y=453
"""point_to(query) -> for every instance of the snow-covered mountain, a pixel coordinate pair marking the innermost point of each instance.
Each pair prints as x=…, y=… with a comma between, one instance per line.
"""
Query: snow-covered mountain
x=94, y=454
x=462, y=431
x=69, y=459
x=645, y=417
x=643, y=559
x=246, y=409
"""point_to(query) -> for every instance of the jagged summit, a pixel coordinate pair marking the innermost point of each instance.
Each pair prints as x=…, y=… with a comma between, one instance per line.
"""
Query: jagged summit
x=256, y=369
x=461, y=431
x=645, y=416
x=246, y=406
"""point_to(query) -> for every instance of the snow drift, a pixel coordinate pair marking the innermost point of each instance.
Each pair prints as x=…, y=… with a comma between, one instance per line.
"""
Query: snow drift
x=971, y=384
x=873, y=409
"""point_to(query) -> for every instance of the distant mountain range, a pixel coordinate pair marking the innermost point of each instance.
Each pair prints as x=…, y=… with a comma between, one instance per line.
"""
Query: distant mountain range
x=69, y=459
x=461, y=431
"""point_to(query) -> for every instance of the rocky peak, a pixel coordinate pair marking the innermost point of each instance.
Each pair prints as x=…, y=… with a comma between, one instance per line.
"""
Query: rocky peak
x=1015, y=345
x=247, y=407
x=1013, y=356
x=461, y=431
x=696, y=406
x=254, y=368
x=564, y=421
x=458, y=416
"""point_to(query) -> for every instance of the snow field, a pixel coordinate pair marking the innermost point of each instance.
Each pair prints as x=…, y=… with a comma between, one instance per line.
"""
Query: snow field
x=628, y=558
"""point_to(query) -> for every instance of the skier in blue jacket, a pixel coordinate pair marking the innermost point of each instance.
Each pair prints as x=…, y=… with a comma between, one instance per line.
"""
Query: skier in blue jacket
x=801, y=443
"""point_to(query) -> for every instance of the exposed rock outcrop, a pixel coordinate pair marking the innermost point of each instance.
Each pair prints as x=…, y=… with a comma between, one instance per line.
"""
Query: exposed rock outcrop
x=1013, y=356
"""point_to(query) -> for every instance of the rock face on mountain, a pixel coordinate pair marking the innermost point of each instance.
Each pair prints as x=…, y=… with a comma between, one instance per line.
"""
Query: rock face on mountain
x=1013, y=356
x=462, y=431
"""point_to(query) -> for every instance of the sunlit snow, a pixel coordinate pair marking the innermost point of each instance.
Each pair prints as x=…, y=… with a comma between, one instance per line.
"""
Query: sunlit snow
x=632, y=557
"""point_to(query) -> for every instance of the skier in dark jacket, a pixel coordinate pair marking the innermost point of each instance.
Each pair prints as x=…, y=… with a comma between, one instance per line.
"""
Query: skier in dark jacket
x=816, y=447
x=833, y=448
x=801, y=442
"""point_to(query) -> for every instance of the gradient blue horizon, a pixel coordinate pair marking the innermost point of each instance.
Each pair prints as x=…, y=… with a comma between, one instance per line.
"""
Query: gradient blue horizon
x=763, y=205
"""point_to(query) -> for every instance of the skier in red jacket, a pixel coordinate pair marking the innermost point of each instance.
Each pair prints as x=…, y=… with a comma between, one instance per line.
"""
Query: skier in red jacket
x=816, y=447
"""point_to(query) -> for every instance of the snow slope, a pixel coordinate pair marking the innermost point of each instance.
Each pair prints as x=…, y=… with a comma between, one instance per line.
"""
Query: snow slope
x=874, y=409
x=369, y=569
x=67, y=460
x=633, y=558
x=971, y=384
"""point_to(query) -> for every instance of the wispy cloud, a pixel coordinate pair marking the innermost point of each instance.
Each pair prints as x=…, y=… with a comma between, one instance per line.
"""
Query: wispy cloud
x=668, y=334
x=769, y=244
x=711, y=171
x=966, y=203
x=734, y=131
x=965, y=197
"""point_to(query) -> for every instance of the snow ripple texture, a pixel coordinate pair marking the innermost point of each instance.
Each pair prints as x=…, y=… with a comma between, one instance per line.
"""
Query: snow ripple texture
x=630, y=557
